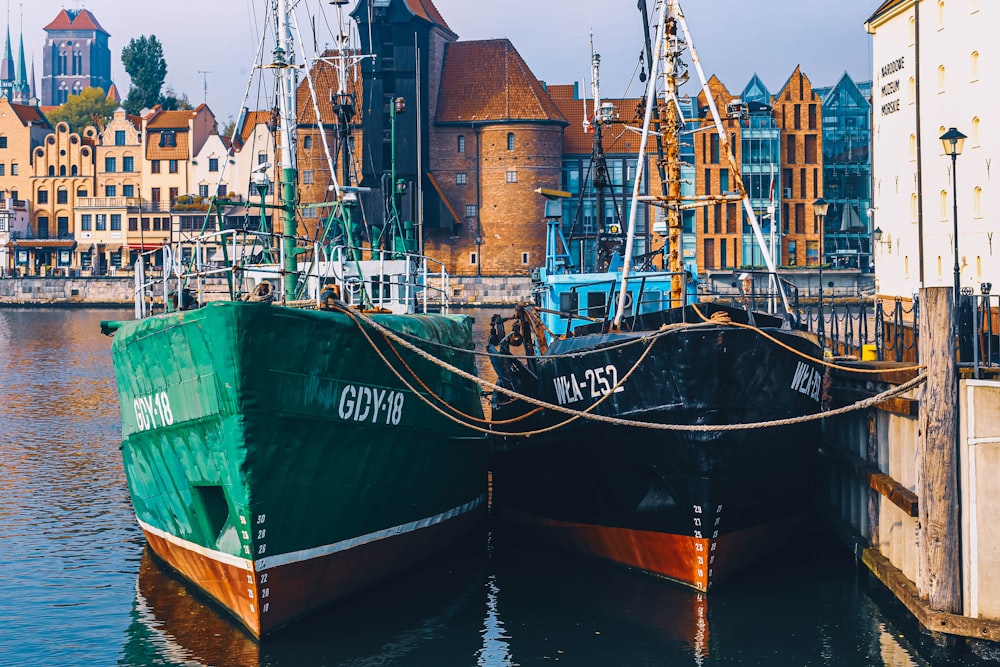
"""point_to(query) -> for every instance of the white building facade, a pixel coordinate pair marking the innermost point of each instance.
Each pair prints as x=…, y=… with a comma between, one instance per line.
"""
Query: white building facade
x=936, y=66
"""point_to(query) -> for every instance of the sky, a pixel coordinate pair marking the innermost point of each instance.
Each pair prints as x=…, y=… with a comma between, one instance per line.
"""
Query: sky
x=212, y=42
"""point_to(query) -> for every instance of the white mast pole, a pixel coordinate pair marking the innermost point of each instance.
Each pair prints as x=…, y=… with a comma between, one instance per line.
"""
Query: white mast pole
x=633, y=210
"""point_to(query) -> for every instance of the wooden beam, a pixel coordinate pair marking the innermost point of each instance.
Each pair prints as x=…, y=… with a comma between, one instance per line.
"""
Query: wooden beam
x=907, y=407
x=939, y=574
x=935, y=621
x=896, y=493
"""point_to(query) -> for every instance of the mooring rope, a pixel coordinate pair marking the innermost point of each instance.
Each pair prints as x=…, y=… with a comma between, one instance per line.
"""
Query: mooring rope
x=587, y=414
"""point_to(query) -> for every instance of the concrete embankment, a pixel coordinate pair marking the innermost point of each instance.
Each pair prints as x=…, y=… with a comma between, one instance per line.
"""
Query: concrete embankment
x=118, y=291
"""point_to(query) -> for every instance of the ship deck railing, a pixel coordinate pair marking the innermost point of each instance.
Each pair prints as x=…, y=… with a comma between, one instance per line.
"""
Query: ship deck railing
x=229, y=264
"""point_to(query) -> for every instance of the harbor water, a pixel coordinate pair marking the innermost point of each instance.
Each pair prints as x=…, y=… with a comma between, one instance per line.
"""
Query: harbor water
x=80, y=588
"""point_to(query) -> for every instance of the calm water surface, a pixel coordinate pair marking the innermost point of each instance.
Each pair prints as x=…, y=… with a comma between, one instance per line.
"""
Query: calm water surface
x=79, y=588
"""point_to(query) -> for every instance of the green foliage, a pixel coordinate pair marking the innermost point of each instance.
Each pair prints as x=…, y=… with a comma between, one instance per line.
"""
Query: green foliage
x=172, y=102
x=90, y=107
x=143, y=60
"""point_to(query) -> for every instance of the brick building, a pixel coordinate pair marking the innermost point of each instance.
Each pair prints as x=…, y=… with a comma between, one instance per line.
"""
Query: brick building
x=76, y=56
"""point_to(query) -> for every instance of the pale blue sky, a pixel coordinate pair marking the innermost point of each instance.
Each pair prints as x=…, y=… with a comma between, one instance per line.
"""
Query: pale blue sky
x=734, y=38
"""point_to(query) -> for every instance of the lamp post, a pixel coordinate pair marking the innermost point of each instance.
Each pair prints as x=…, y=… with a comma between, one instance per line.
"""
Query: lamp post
x=953, y=140
x=820, y=207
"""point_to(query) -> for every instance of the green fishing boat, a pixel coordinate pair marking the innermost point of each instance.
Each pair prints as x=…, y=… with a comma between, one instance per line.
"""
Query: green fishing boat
x=280, y=451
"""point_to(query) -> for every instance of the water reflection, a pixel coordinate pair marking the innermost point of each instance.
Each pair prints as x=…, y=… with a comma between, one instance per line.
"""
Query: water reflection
x=79, y=588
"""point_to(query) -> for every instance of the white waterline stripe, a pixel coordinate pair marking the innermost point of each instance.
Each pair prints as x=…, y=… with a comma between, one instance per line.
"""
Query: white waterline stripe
x=307, y=554
x=226, y=559
x=316, y=552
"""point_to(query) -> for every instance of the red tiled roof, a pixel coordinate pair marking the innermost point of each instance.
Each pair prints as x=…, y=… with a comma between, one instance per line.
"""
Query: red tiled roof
x=425, y=9
x=83, y=20
x=252, y=120
x=615, y=139
x=33, y=114
x=324, y=76
x=489, y=81
x=171, y=120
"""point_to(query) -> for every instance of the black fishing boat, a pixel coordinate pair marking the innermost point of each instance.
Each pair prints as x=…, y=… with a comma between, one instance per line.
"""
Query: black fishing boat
x=640, y=425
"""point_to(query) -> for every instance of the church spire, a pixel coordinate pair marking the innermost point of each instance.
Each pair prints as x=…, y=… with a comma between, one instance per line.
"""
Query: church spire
x=7, y=64
x=21, y=91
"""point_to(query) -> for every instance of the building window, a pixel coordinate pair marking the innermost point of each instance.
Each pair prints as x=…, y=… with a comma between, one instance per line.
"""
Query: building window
x=203, y=190
x=43, y=196
x=3, y=141
x=81, y=193
x=461, y=143
x=473, y=258
x=62, y=196
x=116, y=222
x=154, y=166
x=128, y=190
x=133, y=224
x=101, y=222
x=3, y=169
x=85, y=222
x=119, y=137
x=174, y=192
x=510, y=141
x=128, y=163
x=307, y=176
x=43, y=226
x=220, y=191
x=460, y=178
x=213, y=164
x=261, y=158
x=512, y=175
x=154, y=194
x=307, y=143
x=525, y=257
x=145, y=224
x=110, y=190
x=470, y=210
x=13, y=169
x=168, y=139
x=173, y=166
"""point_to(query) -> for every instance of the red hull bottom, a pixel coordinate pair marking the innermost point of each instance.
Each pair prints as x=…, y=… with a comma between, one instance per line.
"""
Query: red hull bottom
x=265, y=600
x=696, y=562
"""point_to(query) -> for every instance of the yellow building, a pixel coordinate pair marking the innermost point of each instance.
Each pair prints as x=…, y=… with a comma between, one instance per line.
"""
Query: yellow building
x=107, y=220
x=62, y=172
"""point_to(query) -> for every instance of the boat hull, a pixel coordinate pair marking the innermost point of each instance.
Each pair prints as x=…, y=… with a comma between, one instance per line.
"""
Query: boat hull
x=691, y=506
x=276, y=461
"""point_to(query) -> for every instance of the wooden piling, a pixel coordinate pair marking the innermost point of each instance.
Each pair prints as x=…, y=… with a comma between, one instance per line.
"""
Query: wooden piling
x=940, y=555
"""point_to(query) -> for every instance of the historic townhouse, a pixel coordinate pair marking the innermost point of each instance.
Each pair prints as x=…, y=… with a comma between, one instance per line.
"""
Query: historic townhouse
x=934, y=69
x=104, y=219
x=171, y=141
x=62, y=173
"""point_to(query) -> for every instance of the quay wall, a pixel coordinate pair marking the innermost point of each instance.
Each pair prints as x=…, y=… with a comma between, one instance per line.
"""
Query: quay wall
x=111, y=290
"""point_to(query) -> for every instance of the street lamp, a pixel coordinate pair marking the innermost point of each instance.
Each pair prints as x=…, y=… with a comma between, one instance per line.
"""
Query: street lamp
x=952, y=140
x=819, y=209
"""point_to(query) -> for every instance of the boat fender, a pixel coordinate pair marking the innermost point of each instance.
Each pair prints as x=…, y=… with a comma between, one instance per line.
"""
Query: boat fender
x=515, y=337
x=263, y=292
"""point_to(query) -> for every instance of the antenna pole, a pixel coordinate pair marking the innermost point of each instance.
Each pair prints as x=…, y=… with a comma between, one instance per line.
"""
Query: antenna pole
x=204, y=83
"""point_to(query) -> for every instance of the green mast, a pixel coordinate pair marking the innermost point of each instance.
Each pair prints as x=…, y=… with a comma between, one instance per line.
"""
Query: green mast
x=284, y=65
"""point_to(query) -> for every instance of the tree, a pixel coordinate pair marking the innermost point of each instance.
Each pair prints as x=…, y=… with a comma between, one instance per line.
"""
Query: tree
x=146, y=67
x=172, y=102
x=90, y=107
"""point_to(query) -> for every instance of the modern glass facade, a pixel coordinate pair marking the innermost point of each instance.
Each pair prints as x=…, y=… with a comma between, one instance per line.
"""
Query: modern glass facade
x=847, y=174
x=580, y=215
x=761, y=172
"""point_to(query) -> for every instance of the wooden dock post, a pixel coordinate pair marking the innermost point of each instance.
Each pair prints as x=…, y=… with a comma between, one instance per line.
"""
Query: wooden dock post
x=939, y=578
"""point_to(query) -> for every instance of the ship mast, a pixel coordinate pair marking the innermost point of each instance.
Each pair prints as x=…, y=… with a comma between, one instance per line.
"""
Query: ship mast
x=287, y=75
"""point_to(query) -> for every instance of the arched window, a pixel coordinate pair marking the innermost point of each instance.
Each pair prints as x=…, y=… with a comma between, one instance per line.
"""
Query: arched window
x=461, y=143
x=73, y=170
x=510, y=141
x=62, y=170
x=52, y=170
x=307, y=143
